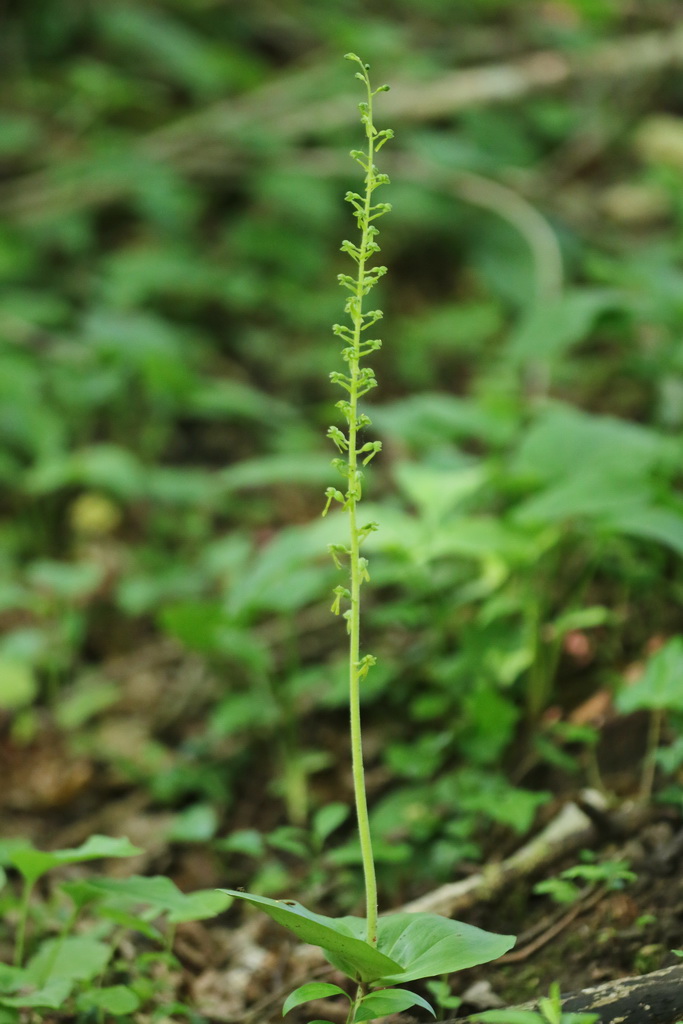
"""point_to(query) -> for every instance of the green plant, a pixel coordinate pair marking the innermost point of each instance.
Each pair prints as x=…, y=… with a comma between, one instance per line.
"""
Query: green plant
x=612, y=874
x=376, y=953
x=440, y=991
x=69, y=957
x=549, y=1012
x=659, y=692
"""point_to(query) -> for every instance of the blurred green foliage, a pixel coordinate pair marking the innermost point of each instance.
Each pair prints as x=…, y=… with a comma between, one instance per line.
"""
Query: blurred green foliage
x=171, y=198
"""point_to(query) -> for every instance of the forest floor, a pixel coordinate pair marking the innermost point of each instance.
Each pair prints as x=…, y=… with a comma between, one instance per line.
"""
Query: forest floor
x=239, y=968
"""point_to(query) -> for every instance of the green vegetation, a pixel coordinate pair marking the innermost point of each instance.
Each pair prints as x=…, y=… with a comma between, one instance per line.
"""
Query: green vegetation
x=613, y=874
x=89, y=917
x=399, y=947
x=171, y=177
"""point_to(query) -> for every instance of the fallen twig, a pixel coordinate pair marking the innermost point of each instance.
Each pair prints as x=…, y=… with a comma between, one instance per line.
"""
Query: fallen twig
x=569, y=831
x=655, y=998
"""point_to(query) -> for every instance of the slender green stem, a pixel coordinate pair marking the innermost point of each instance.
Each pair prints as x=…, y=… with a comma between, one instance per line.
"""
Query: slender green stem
x=355, y=563
x=356, y=741
x=356, y=383
x=360, y=992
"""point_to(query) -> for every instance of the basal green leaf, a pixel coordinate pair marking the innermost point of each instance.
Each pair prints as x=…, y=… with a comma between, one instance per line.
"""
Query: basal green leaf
x=312, y=990
x=198, y=823
x=18, y=685
x=590, y=493
x=659, y=688
x=552, y=327
x=329, y=818
x=115, y=999
x=430, y=945
x=426, y=944
x=340, y=939
x=51, y=996
x=436, y=491
x=199, y=905
x=564, y=442
x=389, y=1000
x=651, y=523
x=33, y=863
x=74, y=958
x=11, y=978
x=160, y=893
x=132, y=922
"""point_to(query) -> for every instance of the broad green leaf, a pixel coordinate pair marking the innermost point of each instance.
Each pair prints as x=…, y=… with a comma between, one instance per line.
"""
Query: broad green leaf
x=436, y=491
x=51, y=996
x=71, y=581
x=18, y=686
x=223, y=399
x=74, y=958
x=115, y=999
x=581, y=618
x=196, y=824
x=160, y=893
x=104, y=467
x=84, y=700
x=650, y=523
x=133, y=922
x=195, y=623
x=660, y=688
x=312, y=990
x=12, y=978
x=389, y=1000
x=34, y=863
x=565, y=442
x=554, y=326
x=426, y=943
x=426, y=420
x=590, y=493
x=199, y=905
x=328, y=819
x=339, y=938
x=268, y=470
x=431, y=945
x=245, y=840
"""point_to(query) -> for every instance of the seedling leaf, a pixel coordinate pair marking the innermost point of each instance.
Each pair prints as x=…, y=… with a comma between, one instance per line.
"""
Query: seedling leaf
x=113, y=999
x=390, y=1000
x=161, y=893
x=659, y=688
x=75, y=958
x=33, y=863
x=52, y=996
x=312, y=990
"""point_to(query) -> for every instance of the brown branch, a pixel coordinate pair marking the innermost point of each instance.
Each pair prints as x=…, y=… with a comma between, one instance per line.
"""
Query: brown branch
x=568, y=832
x=655, y=998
